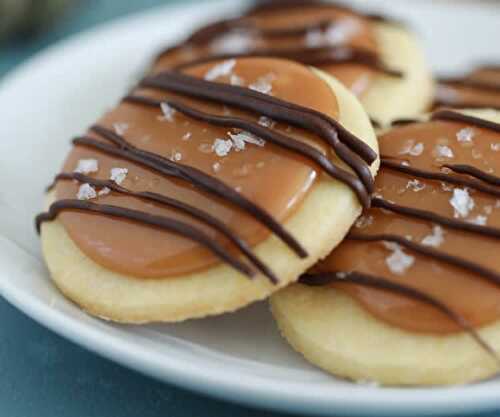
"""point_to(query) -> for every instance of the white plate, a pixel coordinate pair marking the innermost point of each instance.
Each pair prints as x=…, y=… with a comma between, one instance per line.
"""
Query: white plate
x=237, y=357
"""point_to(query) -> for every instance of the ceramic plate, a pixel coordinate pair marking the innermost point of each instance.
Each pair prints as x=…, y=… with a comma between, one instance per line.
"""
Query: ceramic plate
x=238, y=357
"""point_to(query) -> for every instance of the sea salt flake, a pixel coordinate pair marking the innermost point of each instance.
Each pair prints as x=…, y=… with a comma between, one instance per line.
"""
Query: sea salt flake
x=399, y=262
x=479, y=220
x=220, y=70
x=104, y=191
x=187, y=136
x=415, y=185
x=86, y=192
x=222, y=147
x=168, y=112
x=216, y=167
x=436, y=239
x=443, y=151
x=263, y=84
x=341, y=275
x=462, y=202
x=266, y=122
x=412, y=148
x=237, y=81
x=120, y=128
x=87, y=166
x=466, y=135
x=177, y=156
x=495, y=147
x=364, y=221
x=118, y=175
x=242, y=138
x=235, y=42
x=341, y=32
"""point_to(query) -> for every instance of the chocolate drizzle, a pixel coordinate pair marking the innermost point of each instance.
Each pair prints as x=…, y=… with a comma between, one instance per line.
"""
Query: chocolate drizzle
x=192, y=211
x=357, y=278
x=161, y=222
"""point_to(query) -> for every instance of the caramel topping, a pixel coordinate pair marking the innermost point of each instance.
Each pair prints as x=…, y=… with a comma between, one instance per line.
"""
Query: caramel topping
x=253, y=167
x=336, y=39
x=434, y=226
x=478, y=89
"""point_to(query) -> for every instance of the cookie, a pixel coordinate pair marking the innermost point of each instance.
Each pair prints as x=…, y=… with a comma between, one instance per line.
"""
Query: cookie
x=195, y=197
x=411, y=297
x=480, y=88
x=374, y=57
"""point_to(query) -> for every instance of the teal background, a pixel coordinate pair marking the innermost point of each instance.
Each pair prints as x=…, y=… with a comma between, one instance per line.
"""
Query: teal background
x=44, y=375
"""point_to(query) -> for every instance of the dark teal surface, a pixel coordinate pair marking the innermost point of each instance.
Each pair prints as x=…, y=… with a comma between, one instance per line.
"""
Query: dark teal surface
x=43, y=375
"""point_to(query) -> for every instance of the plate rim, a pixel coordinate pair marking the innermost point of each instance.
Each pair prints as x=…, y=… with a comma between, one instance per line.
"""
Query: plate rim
x=251, y=391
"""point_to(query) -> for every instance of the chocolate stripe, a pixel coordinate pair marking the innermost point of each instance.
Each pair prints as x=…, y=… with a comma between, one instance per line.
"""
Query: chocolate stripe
x=474, y=172
x=357, y=278
x=490, y=275
x=164, y=223
x=452, y=116
x=436, y=218
x=437, y=176
x=195, y=177
x=325, y=127
x=276, y=138
x=315, y=56
x=182, y=207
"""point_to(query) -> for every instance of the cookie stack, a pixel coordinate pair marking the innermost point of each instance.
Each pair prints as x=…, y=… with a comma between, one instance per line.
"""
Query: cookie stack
x=245, y=165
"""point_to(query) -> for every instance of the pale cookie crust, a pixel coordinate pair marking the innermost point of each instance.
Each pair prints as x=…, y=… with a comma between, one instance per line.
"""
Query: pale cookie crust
x=320, y=224
x=392, y=98
x=335, y=333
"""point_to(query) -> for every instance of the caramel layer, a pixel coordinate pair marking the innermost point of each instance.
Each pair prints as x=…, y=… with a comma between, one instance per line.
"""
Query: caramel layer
x=465, y=284
x=257, y=171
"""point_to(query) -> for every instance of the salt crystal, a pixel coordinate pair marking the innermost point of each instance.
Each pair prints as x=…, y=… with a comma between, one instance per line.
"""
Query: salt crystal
x=187, y=136
x=479, y=220
x=222, y=147
x=443, y=151
x=465, y=135
x=399, y=262
x=86, y=192
x=436, y=239
x=341, y=32
x=205, y=148
x=412, y=148
x=341, y=275
x=263, y=84
x=120, y=128
x=168, y=112
x=239, y=188
x=495, y=147
x=364, y=221
x=237, y=81
x=118, y=175
x=216, y=167
x=266, y=122
x=87, y=166
x=446, y=187
x=488, y=209
x=415, y=185
x=462, y=202
x=220, y=70
x=104, y=191
x=314, y=38
x=235, y=42
x=240, y=139
x=177, y=156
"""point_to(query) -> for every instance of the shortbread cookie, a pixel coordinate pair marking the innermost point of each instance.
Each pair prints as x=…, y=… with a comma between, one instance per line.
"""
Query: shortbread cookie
x=194, y=197
x=480, y=88
x=412, y=295
x=379, y=60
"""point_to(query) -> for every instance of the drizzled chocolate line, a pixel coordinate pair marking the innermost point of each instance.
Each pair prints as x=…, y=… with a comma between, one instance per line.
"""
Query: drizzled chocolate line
x=192, y=211
x=473, y=172
x=436, y=218
x=164, y=223
x=269, y=135
x=471, y=83
x=490, y=275
x=315, y=56
x=419, y=173
x=191, y=175
x=443, y=102
x=452, y=116
x=357, y=278
x=326, y=127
